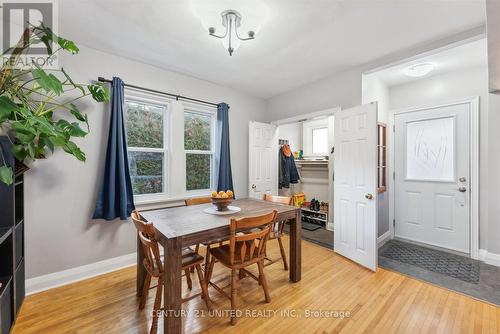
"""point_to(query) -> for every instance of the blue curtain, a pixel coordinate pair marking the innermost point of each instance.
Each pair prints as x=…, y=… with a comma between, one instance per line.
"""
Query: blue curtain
x=115, y=198
x=223, y=157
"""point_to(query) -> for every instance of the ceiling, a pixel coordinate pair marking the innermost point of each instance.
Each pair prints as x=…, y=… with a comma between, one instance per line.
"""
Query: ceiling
x=300, y=42
x=461, y=57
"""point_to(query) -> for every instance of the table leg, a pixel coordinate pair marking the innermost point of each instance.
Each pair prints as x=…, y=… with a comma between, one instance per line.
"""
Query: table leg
x=141, y=271
x=172, y=317
x=296, y=247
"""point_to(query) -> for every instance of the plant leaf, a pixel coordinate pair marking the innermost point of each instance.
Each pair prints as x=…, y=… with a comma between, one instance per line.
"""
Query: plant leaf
x=72, y=82
x=23, y=133
x=48, y=43
x=78, y=115
x=6, y=107
x=19, y=152
x=31, y=150
x=68, y=45
x=44, y=125
x=49, y=82
x=76, y=130
x=99, y=92
x=6, y=175
x=58, y=140
x=71, y=148
x=49, y=144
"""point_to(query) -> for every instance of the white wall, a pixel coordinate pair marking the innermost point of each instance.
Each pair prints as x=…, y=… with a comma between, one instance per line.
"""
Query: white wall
x=341, y=90
x=451, y=87
x=491, y=236
x=293, y=133
x=60, y=191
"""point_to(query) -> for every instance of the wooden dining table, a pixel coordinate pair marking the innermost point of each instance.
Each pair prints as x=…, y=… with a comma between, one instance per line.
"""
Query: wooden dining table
x=180, y=227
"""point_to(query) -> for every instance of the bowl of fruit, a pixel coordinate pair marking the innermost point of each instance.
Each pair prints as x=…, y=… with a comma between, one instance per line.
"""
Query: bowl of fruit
x=222, y=199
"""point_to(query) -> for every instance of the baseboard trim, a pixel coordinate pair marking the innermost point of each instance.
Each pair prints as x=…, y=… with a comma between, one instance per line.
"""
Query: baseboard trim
x=383, y=239
x=489, y=258
x=60, y=278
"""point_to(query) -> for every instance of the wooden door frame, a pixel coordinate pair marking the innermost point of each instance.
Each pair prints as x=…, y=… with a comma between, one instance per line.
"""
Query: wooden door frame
x=473, y=167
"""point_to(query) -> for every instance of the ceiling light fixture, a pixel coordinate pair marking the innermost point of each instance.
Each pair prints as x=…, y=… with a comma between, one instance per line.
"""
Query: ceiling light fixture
x=419, y=70
x=231, y=20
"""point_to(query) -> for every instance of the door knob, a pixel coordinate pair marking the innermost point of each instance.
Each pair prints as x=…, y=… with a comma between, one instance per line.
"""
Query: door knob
x=462, y=179
x=462, y=189
x=369, y=196
x=254, y=186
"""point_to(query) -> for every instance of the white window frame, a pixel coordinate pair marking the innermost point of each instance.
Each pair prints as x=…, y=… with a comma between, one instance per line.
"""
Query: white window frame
x=307, y=136
x=154, y=99
x=212, y=113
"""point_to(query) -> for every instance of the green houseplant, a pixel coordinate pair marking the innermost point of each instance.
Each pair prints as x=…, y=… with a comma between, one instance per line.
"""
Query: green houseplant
x=37, y=105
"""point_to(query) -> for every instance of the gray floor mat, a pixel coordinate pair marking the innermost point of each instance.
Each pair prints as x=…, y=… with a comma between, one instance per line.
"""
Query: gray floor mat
x=455, y=266
x=488, y=287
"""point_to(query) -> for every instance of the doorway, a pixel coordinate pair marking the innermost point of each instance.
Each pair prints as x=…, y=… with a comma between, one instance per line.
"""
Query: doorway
x=432, y=159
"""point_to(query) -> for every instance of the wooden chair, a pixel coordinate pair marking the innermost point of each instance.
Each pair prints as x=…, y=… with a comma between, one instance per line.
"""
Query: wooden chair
x=277, y=228
x=197, y=201
x=243, y=250
x=153, y=263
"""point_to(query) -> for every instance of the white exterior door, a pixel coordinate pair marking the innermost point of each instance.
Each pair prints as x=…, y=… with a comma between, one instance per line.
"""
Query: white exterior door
x=432, y=176
x=355, y=185
x=263, y=160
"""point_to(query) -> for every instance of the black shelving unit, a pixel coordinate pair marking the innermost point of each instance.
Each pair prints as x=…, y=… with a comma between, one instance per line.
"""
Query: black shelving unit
x=12, y=274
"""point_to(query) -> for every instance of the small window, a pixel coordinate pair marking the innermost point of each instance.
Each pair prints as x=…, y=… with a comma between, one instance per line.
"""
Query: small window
x=199, y=133
x=320, y=141
x=145, y=122
x=382, y=157
x=430, y=150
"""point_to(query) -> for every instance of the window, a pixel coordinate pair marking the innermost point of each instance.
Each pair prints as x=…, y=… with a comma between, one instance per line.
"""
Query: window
x=382, y=158
x=315, y=137
x=146, y=127
x=199, y=133
x=320, y=141
x=430, y=149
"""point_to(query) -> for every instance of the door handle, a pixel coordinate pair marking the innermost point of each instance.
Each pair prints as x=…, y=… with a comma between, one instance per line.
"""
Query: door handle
x=369, y=196
x=462, y=189
x=254, y=187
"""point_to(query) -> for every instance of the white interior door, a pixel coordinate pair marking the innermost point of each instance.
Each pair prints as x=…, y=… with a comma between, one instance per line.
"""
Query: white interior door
x=263, y=160
x=432, y=176
x=355, y=185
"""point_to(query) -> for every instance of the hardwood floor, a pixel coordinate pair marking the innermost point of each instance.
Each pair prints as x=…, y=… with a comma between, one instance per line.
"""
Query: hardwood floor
x=382, y=302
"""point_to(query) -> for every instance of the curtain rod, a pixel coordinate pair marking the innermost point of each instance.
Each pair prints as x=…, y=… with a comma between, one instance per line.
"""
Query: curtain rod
x=177, y=97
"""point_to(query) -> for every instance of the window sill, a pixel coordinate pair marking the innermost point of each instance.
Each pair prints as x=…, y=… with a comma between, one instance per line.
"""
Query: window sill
x=166, y=202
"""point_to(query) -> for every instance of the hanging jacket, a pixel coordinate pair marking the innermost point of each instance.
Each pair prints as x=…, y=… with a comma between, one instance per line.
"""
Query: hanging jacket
x=288, y=172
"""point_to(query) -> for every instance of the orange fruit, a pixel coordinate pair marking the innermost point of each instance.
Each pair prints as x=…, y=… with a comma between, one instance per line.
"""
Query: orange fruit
x=224, y=195
x=221, y=192
x=214, y=194
x=229, y=194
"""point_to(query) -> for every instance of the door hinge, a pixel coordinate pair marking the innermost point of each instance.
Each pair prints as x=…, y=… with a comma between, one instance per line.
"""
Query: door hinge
x=394, y=223
x=394, y=175
x=393, y=128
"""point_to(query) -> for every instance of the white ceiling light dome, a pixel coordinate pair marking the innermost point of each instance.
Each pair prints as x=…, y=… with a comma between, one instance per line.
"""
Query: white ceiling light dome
x=419, y=70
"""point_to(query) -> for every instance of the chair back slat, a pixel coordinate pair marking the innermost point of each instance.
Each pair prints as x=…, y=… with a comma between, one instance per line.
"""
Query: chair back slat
x=278, y=227
x=147, y=237
x=287, y=200
x=251, y=244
